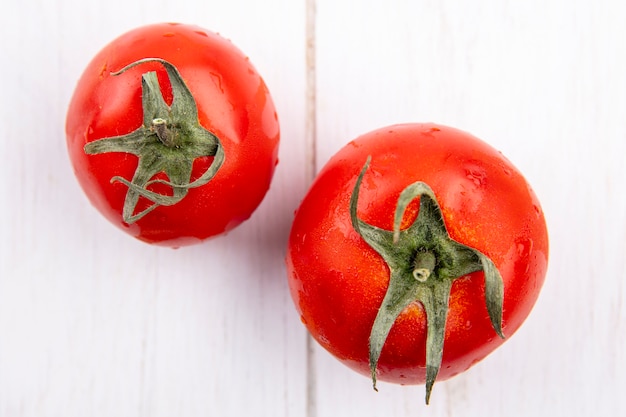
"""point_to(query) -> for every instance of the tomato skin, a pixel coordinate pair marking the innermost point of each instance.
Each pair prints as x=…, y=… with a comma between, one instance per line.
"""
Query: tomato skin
x=233, y=103
x=338, y=281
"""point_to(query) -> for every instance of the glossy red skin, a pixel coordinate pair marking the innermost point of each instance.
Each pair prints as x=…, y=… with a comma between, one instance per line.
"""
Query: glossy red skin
x=338, y=281
x=233, y=102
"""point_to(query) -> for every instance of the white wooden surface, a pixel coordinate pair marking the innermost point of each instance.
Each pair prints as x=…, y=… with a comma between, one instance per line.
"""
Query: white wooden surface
x=93, y=323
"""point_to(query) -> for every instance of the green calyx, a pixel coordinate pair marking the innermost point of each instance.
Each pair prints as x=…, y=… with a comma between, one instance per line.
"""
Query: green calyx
x=169, y=141
x=424, y=262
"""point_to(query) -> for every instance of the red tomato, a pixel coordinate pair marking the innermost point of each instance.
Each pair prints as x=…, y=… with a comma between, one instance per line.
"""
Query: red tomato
x=374, y=254
x=173, y=134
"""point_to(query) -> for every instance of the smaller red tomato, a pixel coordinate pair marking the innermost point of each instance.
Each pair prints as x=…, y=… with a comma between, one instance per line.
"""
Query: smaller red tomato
x=172, y=134
x=416, y=250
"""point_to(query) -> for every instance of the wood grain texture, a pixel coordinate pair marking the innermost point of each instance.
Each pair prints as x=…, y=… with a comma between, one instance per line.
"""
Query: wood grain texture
x=93, y=323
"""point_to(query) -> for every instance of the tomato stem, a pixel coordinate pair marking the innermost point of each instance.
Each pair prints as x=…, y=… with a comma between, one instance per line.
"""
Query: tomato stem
x=424, y=265
x=163, y=132
x=423, y=261
x=169, y=140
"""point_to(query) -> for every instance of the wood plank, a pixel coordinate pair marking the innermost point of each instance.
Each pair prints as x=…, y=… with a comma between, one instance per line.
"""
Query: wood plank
x=543, y=82
x=93, y=323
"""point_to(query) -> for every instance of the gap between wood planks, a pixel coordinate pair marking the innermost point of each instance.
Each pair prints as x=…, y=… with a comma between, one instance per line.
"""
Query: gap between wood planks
x=311, y=169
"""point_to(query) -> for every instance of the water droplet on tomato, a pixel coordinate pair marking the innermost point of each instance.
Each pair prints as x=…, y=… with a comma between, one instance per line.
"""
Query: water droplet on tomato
x=477, y=176
x=524, y=247
x=218, y=82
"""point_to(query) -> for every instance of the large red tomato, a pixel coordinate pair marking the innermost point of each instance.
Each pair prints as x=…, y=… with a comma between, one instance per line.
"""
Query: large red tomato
x=172, y=134
x=415, y=265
